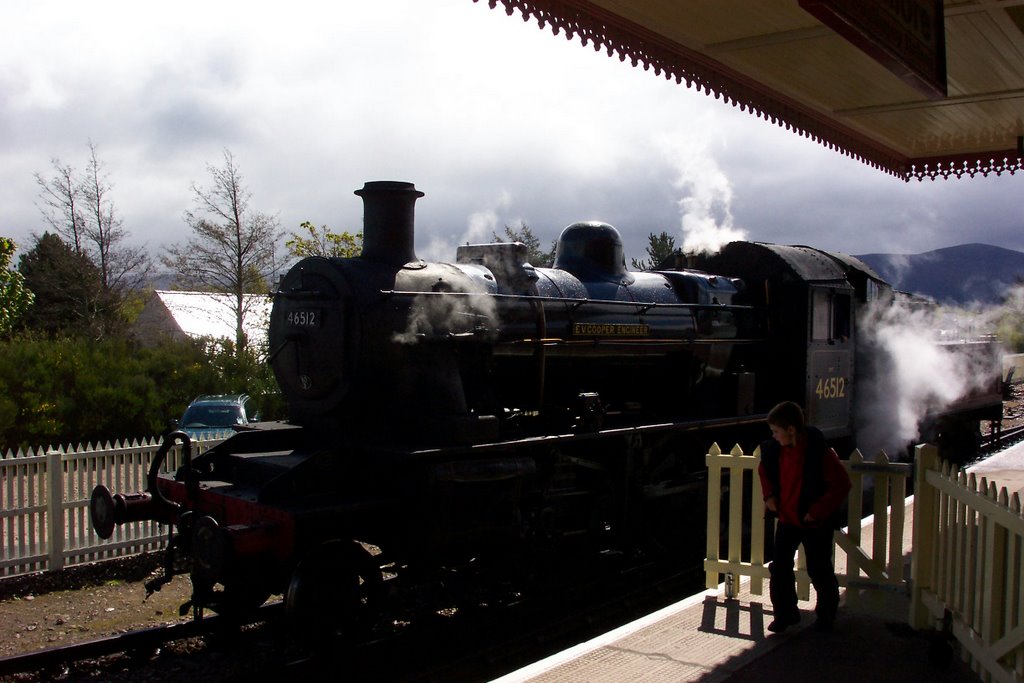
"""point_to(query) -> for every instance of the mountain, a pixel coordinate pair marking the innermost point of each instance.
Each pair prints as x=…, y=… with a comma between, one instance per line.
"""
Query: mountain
x=969, y=273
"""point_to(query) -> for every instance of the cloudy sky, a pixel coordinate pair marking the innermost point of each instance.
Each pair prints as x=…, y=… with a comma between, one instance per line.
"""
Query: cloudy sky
x=494, y=119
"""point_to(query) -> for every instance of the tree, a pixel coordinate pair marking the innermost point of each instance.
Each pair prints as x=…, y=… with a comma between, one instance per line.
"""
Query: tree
x=535, y=255
x=322, y=242
x=62, y=204
x=122, y=268
x=15, y=297
x=61, y=390
x=80, y=209
x=234, y=248
x=67, y=286
x=659, y=249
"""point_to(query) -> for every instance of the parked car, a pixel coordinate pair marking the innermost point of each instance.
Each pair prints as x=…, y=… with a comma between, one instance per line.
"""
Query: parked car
x=210, y=415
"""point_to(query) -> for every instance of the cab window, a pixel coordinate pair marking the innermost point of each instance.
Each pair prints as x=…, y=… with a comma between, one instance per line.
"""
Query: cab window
x=830, y=315
x=820, y=315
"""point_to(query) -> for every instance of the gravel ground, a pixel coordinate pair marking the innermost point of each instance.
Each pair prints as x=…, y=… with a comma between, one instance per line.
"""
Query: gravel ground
x=56, y=608
x=103, y=599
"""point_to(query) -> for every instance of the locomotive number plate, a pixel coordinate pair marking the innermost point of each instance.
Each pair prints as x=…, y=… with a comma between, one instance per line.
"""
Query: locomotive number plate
x=831, y=387
x=303, y=318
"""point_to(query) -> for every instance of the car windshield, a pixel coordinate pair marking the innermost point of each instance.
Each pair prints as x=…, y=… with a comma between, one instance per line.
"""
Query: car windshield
x=212, y=416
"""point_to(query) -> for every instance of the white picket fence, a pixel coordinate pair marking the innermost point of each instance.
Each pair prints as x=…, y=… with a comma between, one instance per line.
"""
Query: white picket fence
x=968, y=559
x=967, y=549
x=44, y=502
x=880, y=564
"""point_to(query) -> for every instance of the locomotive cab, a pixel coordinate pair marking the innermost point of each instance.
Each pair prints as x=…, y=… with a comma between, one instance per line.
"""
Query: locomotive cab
x=830, y=358
x=809, y=357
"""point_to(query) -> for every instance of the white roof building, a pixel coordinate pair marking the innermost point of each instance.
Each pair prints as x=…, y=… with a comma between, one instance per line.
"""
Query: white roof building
x=181, y=315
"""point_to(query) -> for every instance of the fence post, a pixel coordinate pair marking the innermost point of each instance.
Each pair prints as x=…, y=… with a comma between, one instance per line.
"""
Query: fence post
x=55, y=508
x=854, y=524
x=714, y=465
x=757, y=526
x=994, y=597
x=922, y=566
x=736, y=479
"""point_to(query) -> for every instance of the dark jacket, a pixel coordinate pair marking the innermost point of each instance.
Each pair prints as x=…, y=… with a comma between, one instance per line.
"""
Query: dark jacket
x=823, y=479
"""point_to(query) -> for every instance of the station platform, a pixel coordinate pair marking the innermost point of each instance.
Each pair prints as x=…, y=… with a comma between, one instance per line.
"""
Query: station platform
x=709, y=638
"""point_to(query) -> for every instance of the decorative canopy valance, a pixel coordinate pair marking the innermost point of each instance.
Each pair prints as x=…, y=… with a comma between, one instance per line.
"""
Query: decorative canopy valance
x=845, y=73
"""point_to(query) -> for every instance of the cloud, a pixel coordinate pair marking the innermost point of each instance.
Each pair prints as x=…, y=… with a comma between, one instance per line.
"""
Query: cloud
x=315, y=99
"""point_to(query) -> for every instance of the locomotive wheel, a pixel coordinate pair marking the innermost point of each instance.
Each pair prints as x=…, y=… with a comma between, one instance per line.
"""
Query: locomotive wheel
x=333, y=591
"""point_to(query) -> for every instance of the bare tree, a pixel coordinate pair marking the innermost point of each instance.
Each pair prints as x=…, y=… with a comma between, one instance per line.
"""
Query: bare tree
x=61, y=204
x=81, y=210
x=234, y=248
x=122, y=268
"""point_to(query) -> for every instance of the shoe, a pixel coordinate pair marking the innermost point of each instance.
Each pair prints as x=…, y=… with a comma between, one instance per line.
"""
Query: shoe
x=780, y=624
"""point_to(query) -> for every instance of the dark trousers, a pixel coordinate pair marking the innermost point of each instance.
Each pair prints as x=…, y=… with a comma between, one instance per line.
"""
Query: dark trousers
x=817, y=544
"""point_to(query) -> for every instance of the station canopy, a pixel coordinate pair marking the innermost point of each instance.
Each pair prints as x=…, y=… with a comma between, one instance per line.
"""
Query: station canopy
x=916, y=88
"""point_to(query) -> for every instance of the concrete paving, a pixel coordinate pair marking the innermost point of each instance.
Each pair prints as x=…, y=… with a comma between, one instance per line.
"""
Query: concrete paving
x=710, y=639
x=1005, y=469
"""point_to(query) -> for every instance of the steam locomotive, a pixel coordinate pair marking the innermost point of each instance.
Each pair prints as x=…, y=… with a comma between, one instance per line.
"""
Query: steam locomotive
x=492, y=413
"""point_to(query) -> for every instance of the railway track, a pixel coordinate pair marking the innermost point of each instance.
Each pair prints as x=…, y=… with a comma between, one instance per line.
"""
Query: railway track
x=1007, y=437
x=487, y=644
x=146, y=640
x=528, y=644
x=475, y=642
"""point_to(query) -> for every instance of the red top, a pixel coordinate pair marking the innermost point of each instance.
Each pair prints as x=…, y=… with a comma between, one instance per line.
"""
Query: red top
x=791, y=468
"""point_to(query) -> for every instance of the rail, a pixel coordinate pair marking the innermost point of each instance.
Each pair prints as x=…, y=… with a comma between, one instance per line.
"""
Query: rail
x=44, y=503
x=138, y=640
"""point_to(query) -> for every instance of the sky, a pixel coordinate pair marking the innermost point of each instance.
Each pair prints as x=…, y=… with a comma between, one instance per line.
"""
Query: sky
x=495, y=120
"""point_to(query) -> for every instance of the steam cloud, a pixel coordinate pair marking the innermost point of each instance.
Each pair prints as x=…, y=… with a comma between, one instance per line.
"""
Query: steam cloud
x=481, y=226
x=438, y=316
x=433, y=316
x=913, y=373
x=707, y=222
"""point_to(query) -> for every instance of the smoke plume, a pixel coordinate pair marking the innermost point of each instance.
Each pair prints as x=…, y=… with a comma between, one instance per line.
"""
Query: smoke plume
x=433, y=316
x=481, y=226
x=918, y=362
x=706, y=214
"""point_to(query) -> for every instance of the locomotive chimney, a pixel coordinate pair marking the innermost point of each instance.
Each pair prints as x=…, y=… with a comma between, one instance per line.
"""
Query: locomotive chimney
x=388, y=210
